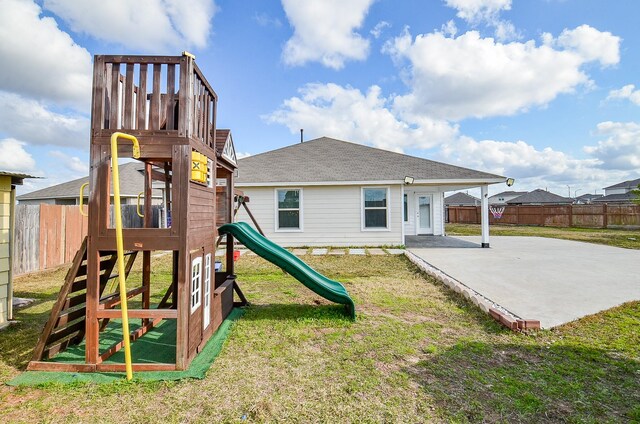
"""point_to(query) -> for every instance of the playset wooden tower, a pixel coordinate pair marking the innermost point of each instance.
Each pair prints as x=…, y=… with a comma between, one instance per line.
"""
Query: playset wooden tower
x=166, y=103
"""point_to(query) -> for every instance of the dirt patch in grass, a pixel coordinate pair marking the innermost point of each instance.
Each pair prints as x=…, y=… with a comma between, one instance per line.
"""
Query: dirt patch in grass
x=416, y=353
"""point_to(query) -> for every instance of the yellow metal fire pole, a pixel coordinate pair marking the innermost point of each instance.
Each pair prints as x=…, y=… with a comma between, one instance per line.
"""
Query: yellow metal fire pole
x=119, y=246
x=80, y=203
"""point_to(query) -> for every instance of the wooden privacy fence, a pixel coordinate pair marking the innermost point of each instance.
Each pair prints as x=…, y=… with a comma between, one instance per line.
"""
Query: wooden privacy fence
x=50, y=235
x=584, y=216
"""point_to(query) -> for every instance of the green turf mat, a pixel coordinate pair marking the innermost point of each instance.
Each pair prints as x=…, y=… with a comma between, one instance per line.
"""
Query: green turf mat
x=157, y=346
x=197, y=369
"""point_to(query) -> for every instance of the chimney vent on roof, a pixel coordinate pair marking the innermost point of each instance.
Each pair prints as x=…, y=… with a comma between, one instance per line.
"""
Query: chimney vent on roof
x=301, y=137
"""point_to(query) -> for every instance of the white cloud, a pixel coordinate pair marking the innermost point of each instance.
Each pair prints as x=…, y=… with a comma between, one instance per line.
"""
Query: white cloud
x=487, y=12
x=449, y=29
x=380, y=26
x=14, y=157
x=475, y=11
x=518, y=159
x=626, y=92
x=151, y=25
x=471, y=76
x=591, y=45
x=369, y=118
x=324, y=32
x=347, y=113
x=33, y=122
x=40, y=60
x=72, y=163
x=265, y=20
x=621, y=147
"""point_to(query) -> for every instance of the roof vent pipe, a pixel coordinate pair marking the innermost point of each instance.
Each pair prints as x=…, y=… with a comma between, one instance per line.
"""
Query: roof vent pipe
x=301, y=137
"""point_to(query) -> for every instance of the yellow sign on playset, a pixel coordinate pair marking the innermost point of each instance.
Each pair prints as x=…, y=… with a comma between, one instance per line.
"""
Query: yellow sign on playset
x=199, y=167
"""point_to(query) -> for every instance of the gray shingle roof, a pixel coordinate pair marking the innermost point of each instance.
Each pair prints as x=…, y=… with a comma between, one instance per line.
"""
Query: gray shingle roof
x=510, y=193
x=329, y=160
x=616, y=198
x=131, y=183
x=461, y=199
x=630, y=184
x=539, y=196
x=589, y=196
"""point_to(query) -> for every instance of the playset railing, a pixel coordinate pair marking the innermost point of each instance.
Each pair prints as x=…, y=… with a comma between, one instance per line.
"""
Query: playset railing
x=152, y=95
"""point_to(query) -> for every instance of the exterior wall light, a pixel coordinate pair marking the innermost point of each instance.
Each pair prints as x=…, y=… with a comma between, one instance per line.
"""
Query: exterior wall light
x=408, y=180
x=510, y=182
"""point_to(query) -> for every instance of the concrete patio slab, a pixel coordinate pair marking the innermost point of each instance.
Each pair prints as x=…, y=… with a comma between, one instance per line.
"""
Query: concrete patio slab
x=337, y=252
x=319, y=251
x=357, y=252
x=300, y=252
x=438, y=241
x=550, y=280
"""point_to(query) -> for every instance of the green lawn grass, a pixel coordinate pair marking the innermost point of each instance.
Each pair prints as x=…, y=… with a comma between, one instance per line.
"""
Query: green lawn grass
x=629, y=239
x=416, y=353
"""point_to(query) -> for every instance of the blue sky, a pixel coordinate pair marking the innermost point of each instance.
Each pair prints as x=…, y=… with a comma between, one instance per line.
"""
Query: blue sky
x=545, y=91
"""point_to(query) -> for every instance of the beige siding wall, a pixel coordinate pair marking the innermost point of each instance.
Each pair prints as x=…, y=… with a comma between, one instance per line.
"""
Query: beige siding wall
x=5, y=210
x=331, y=216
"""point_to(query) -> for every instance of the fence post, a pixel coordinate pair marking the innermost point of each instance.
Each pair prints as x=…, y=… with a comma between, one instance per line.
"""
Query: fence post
x=605, y=218
x=570, y=216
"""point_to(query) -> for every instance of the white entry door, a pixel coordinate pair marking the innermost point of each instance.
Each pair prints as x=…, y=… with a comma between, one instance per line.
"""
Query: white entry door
x=424, y=214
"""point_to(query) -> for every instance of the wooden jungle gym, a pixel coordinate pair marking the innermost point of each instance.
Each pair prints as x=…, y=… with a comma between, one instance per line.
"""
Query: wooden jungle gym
x=163, y=106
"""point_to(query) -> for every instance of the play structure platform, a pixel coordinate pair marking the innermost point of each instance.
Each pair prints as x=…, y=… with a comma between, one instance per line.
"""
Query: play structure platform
x=161, y=111
x=316, y=282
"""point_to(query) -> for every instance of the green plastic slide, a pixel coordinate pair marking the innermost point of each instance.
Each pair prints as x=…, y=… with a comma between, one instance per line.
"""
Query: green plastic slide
x=318, y=283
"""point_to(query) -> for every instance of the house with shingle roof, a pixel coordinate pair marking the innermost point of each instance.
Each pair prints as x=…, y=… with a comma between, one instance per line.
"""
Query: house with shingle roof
x=503, y=197
x=540, y=197
x=461, y=199
x=328, y=192
x=619, y=193
x=68, y=193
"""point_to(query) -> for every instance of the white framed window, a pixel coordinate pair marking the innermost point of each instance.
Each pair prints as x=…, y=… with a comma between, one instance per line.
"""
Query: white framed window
x=405, y=208
x=288, y=209
x=196, y=280
x=375, y=209
x=207, y=290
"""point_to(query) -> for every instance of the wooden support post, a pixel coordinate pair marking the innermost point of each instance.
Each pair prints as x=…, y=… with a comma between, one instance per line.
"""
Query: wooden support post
x=93, y=295
x=181, y=173
x=146, y=255
x=253, y=219
x=230, y=266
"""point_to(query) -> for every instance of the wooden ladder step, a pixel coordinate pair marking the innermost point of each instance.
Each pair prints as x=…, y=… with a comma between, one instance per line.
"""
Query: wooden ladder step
x=66, y=324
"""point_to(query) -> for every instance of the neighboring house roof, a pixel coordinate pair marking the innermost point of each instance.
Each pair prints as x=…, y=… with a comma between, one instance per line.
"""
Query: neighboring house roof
x=131, y=183
x=509, y=193
x=616, y=198
x=539, y=196
x=461, y=199
x=329, y=160
x=589, y=196
x=630, y=184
